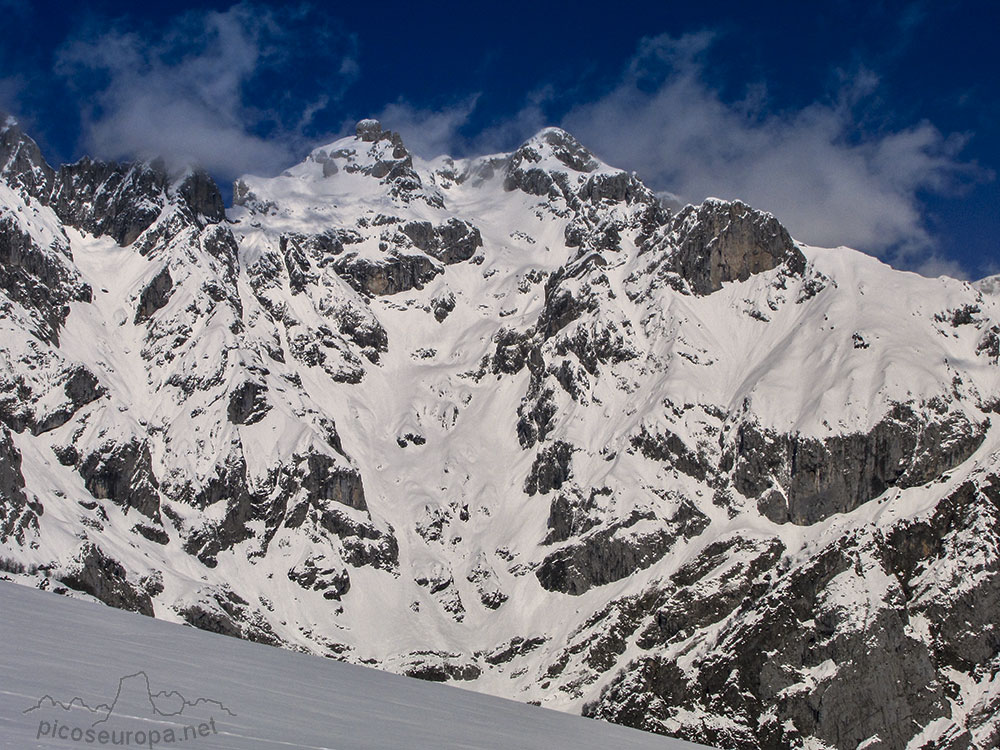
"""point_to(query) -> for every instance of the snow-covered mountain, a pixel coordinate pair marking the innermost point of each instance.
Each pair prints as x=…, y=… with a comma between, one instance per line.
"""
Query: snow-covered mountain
x=511, y=423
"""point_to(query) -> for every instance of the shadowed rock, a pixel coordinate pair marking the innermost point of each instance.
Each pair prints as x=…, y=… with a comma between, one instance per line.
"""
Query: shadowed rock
x=451, y=242
x=391, y=275
x=722, y=241
x=122, y=472
x=16, y=514
x=104, y=578
x=105, y=198
x=40, y=279
x=22, y=165
x=202, y=196
x=155, y=295
x=818, y=478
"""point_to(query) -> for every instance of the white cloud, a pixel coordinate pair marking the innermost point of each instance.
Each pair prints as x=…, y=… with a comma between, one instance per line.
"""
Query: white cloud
x=181, y=94
x=827, y=180
x=809, y=167
x=428, y=132
x=934, y=265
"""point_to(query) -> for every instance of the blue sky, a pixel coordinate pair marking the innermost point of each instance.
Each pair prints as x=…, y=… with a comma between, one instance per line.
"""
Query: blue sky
x=870, y=124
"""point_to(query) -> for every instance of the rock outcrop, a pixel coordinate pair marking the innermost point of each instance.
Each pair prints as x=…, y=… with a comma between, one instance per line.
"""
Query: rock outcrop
x=719, y=241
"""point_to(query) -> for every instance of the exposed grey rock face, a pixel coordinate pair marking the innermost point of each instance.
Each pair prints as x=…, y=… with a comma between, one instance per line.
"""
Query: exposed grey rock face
x=248, y=403
x=439, y=666
x=244, y=196
x=369, y=130
x=155, y=295
x=816, y=479
x=16, y=516
x=520, y=172
x=80, y=386
x=303, y=493
x=667, y=447
x=223, y=611
x=687, y=603
x=720, y=241
x=564, y=147
x=364, y=545
x=880, y=664
x=122, y=472
x=550, y=469
x=451, y=242
x=616, y=551
x=330, y=168
x=118, y=200
x=106, y=579
x=517, y=646
x=241, y=503
x=514, y=350
x=575, y=292
x=440, y=583
x=364, y=331
x=571, y=514
x=442, y=306
x=387, y=160
x=396, y=273
x=41, y=280
x=296, y=263
x=22, y=165
x=202, y=196
x=813, y=662
x=319, y=575
x=48, y=395
x=328, y=481
x=616, y=188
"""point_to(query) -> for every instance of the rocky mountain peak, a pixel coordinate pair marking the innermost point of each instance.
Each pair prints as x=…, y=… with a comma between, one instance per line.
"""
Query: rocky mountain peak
x=200, y=193
x=554, y=163
x=369, y=130
x=374, y=152
x=555, y=144
x=721, y=241
x=120, y=200
x=22, y=165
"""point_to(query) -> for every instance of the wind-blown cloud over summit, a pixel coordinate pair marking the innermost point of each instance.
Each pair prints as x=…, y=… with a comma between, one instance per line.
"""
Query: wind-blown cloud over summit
x=829, y=181
x=252, y=88
x=830, y=184
x=206, y=89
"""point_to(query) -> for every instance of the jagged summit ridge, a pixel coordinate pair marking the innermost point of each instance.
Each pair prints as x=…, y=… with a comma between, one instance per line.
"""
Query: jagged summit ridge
x=509, y=421
x=120, y=200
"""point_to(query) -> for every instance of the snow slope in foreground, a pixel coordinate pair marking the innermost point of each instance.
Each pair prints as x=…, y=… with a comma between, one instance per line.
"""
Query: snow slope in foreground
x=255, y=696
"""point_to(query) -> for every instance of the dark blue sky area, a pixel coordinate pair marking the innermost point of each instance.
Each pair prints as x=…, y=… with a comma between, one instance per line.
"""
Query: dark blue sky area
x=863, y=123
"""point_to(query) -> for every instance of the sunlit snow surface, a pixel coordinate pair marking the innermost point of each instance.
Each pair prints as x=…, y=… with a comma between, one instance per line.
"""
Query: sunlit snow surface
x=64, y=648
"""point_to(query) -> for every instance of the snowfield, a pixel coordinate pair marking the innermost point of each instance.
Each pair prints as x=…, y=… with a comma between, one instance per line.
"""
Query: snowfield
x=55, y=646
